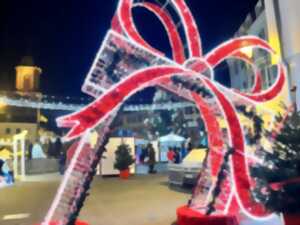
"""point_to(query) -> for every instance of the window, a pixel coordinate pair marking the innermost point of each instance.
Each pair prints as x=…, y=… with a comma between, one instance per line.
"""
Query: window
x=252, y=80
x=253, y=15
x=237, y=68
x=245, y=85
x=272, y=71
x=18, y=130
x=262, y=34
x=7, y=131
x=189, y=111
x=265, y=77
x=259, y=8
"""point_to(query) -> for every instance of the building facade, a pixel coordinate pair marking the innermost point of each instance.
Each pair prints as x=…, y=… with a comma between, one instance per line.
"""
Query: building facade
x=278, y=22
x=182, y=118
x=14, y=120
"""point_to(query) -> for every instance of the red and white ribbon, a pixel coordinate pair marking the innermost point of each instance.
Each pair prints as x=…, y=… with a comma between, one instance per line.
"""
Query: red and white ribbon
x=192, y=65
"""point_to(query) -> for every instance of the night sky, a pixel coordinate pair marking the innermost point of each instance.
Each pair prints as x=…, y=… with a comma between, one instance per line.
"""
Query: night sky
x=64, y=36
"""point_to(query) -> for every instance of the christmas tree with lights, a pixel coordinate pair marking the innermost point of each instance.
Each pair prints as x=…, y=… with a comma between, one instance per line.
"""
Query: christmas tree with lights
x=278, y=181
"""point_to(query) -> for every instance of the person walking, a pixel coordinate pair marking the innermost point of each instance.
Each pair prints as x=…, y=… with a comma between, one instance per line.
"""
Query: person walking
x=189, y=147
x=1, y=167
x=30, y=146
x=144, y=154
x=171, y=155
x=51, y=149
x=57, y=148
x=152, y=161
x=46, y=147
x=183, y=152
x=5, y=172
x=2, y=174
x=62, y=162
x=177, y=156
x=138, y=154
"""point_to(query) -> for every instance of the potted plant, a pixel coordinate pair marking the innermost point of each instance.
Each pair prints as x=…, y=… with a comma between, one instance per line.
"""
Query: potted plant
x=123, y=160
x=278, y=182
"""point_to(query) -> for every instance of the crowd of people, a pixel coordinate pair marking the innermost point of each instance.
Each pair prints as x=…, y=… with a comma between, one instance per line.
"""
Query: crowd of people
x=49, y=149
x=145, y=154
x=177, y=154
x=54, y=149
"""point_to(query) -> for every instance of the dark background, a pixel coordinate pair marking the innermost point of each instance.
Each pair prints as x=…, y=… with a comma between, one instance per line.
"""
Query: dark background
x=64, y=36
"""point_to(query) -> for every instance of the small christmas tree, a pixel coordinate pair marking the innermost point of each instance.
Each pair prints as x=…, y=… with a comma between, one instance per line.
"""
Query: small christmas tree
x=123, y=157
x=278, y=182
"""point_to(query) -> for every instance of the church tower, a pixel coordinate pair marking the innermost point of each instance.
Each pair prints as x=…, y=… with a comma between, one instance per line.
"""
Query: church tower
x=28, y=75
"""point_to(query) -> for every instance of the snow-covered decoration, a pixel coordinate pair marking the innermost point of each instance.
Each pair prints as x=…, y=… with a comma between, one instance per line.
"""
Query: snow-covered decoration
x=37, y=152
x=126, y=64
x=171, y=138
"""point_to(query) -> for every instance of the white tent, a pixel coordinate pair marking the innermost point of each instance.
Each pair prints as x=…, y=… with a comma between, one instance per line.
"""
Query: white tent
x=171, y=138
x=165, y=142
x=139, y=141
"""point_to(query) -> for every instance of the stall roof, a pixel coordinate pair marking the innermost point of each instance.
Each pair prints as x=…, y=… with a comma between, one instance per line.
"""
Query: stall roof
x=171, y=138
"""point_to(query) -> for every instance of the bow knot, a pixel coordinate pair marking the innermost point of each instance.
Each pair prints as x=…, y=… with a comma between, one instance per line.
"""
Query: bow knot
x=125, y=36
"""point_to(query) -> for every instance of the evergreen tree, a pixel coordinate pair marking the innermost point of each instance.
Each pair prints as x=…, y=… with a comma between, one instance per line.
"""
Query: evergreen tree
x=123, y=157
x=278, y=181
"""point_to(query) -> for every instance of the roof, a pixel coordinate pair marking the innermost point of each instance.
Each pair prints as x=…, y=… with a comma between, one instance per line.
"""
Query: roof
x=27, y=61
x=171, y=138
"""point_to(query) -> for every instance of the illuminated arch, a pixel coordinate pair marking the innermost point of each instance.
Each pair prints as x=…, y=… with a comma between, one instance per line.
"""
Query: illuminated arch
x=96, y=118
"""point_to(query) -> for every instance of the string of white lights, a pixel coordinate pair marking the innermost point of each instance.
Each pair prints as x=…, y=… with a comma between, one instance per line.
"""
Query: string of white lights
x=26, y=103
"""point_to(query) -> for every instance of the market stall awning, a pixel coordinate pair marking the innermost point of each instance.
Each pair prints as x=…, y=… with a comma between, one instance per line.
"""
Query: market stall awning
x=171, y=138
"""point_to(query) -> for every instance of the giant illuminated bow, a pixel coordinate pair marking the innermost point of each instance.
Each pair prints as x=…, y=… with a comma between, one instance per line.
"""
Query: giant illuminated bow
x=191, y=66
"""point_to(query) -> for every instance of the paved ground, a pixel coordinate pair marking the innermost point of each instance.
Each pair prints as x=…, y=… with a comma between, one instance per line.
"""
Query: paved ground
x=142, y=200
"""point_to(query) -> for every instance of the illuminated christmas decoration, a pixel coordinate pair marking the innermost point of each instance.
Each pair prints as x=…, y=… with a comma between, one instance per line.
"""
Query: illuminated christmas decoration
x=64, y=105
x=126, y=64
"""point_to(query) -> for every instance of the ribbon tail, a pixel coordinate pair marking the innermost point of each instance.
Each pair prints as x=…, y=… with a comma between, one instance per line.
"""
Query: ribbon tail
x=77, y=123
